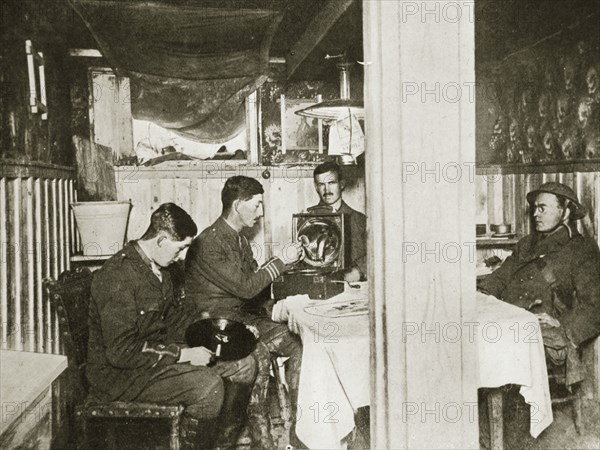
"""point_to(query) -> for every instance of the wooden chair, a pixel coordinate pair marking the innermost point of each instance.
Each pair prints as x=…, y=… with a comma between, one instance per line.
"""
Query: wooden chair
x=560, y=395
x=70, y=298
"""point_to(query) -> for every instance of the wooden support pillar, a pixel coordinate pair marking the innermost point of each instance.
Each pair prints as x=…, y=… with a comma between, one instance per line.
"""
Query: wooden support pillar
x=420, y=180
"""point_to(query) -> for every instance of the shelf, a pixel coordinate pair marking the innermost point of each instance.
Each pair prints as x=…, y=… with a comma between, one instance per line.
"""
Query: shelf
x=90, y=258
x=489, y=241
x=554, y=167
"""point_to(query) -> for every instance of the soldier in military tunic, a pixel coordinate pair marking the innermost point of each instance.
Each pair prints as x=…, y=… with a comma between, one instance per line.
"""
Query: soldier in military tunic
x=330, y=185
x=136, y=350
x=223, y=278
x=554, y=273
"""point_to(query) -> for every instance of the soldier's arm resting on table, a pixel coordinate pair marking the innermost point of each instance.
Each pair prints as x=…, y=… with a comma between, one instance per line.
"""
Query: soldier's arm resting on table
x=494, y=283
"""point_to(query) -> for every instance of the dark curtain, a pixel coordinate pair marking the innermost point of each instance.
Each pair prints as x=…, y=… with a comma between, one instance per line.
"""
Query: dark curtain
x=191, y=67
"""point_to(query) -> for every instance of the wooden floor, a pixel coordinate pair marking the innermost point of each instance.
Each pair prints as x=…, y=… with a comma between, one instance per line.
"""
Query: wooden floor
x=561, y=434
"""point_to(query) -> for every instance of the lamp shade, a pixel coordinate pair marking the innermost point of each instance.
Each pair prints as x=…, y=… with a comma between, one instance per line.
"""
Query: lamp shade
x=334, y=110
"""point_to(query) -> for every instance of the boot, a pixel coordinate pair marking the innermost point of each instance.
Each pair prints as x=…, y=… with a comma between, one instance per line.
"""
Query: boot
x=232, y=417
x=260, y=428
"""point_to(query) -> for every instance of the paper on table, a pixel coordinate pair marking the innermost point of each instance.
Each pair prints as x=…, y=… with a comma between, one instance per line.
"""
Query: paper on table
x=356, y=307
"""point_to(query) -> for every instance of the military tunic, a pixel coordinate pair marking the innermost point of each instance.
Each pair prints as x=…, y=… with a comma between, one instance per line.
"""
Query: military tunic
x=222, y=276
x=223, y=279
x=558, y=274
x=135, y=327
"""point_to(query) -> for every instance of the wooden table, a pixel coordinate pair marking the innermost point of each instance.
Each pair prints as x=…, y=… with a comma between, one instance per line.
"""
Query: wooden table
x=334, y=379
x=26, y=391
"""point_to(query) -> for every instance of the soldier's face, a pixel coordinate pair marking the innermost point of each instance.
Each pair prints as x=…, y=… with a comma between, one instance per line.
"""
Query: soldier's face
x=250, y=211
x=170, y=251
x=547, y=213
x=329, y=187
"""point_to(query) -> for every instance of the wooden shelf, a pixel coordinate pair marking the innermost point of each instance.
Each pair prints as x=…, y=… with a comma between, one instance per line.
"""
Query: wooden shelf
x=89, y=258
x=10, y=168
x=554, y=167
x=488, y=241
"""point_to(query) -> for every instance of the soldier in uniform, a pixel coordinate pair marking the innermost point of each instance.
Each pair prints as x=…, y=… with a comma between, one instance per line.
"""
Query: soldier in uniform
x=554, y=273
x=330, y=185
x=223, y=278
x=136, y=350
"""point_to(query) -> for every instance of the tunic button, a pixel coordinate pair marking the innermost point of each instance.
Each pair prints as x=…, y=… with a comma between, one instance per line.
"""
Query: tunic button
x=522, y=280
x=142, y=312
x=520, y=297
x=531, y=277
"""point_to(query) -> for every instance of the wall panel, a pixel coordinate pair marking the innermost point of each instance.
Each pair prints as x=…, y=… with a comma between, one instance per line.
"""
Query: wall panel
x=35, y=242
x=198, y=191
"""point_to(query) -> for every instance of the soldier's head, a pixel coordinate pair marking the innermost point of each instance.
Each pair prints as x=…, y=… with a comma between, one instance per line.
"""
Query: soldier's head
x=242, y=199
x=554, y=204
x=170, y=233
x=329, y=183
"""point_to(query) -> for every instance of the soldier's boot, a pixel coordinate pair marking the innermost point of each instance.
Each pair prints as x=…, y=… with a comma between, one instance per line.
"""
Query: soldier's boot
x=260, y=428
x=233, y=415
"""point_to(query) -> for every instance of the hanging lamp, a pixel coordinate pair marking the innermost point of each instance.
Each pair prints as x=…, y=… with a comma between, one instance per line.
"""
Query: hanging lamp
x=339, y=108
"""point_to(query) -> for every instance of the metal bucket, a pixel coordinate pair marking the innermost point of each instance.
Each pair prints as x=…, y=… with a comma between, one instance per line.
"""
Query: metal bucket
x=102, y=226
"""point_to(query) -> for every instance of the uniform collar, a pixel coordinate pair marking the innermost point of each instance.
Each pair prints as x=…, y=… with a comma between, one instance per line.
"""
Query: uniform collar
x=553, y=241
x=344, y=208
x=224, y=227
x=133, y=251
x=141, y=254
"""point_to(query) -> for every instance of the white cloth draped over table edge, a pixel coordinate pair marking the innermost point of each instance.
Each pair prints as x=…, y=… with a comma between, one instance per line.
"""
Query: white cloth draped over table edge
x=510, y=351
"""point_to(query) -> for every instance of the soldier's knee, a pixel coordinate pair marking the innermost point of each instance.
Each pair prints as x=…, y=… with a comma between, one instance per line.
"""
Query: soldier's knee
x=246, y=371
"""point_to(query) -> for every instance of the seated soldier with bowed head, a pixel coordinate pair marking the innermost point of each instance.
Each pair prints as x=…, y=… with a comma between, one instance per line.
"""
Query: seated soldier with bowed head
x=136, y=351
x=554, y=273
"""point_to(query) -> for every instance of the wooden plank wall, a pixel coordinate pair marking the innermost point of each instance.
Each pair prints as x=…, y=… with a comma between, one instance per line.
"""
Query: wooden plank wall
x=36, y=240
x=198, y=191
x=503, y=197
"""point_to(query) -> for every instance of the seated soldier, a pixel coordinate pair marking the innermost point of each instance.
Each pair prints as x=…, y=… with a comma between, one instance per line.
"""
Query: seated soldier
x=330, y=185
x=223, y=278
x=555, y=273
x=136, y=351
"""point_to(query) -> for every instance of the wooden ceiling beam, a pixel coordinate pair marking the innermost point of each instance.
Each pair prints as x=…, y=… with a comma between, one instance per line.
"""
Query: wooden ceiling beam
x=315, y=32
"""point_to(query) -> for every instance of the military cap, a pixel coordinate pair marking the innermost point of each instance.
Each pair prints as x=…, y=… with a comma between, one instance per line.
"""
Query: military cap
x=560, y=190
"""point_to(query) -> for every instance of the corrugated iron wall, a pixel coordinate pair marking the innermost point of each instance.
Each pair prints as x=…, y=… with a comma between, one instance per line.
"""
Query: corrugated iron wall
x=36, y=241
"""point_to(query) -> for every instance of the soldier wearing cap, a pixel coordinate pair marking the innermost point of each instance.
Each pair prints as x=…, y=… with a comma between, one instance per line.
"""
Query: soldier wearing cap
x=554, y=273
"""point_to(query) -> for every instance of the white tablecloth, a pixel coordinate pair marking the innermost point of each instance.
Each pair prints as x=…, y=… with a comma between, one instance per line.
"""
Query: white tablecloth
x=334, y=381
x=511, y=351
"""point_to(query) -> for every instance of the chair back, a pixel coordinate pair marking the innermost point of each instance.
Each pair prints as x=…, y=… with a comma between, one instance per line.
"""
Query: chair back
x=70, y=296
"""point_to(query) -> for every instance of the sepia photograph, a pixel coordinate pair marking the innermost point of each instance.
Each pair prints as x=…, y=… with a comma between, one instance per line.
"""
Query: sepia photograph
x=299, y=224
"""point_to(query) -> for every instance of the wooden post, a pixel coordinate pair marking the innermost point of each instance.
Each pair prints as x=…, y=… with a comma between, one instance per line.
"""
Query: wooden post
x=420, y=144
x=3, y=265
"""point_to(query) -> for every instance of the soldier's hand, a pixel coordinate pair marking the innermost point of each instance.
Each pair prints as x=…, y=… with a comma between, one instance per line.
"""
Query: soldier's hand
x=353, y=275
x=292, y=253
x=196, y=356
x=546, y=319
